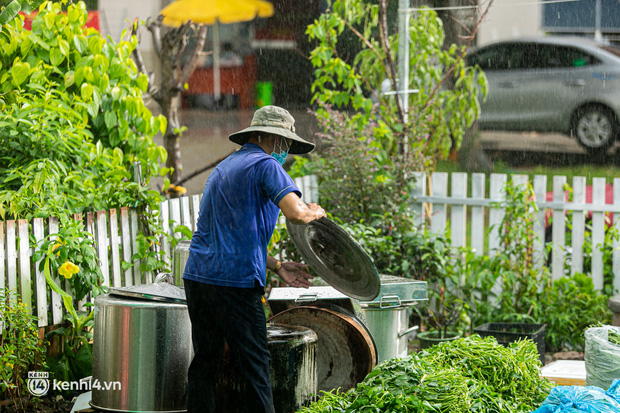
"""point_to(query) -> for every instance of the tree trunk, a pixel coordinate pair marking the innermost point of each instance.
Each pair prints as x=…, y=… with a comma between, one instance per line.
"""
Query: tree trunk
x=170, y=48
x=170, y=106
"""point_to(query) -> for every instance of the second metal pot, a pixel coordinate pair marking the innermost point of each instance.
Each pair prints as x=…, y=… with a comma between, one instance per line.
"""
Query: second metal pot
x=390, y=329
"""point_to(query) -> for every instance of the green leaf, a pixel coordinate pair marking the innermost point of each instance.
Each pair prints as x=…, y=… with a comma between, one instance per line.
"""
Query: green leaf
x=96, y=96
x=38, y=77
x=19, y=73
x=63, y=45
x=69, y=79
x=110, y=119
x=183, y=230
x=163, y=124
x=86, y=91
x=9, y=12
x=143, y=82
x=104, y=82
x=80, y=42
x=36, y=39
x=116, y=93
x=56, y=56
x=88, y=74
x=74, y=15
x=92, y=108
x=79, y=75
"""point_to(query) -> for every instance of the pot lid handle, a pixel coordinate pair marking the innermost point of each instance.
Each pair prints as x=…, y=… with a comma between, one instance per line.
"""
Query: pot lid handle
x=164, y=277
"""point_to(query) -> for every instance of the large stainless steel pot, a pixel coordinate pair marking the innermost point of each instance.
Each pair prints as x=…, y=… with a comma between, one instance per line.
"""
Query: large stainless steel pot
x=387, y=316
x=142, y=340
x=390, y=329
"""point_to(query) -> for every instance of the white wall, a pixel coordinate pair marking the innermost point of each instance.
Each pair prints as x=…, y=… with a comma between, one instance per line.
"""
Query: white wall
x=508, y=19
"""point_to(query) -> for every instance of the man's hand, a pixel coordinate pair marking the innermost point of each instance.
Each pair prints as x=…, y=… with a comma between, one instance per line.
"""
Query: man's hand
x=316, y=208
x=297, y=211
x=294, y=274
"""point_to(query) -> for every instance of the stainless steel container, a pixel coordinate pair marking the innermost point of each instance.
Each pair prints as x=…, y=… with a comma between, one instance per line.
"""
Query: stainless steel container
x=390, y=330
x=281, y=299
x=180, y=253
x=387, y=316
x=142, y=342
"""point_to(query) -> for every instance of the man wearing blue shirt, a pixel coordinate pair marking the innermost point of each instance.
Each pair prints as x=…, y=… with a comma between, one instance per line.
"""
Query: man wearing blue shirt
x=225, y=273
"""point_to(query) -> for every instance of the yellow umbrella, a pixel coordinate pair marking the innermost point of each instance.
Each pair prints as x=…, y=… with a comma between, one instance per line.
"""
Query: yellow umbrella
x=209, y=11
x=212, y=12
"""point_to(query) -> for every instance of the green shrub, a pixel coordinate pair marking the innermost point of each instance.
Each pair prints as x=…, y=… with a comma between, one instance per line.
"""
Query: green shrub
x=72, y=118
x=570, y=306
x=358, y=181
x=20, y=350
x=512, y=286
x=72, y=124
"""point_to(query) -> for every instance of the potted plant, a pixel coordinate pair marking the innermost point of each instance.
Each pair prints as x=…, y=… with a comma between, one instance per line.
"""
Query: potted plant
x=441, y=313
x=438, y=267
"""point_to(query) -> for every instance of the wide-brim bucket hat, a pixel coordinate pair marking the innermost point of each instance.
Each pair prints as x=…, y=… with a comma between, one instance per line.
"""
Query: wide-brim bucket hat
x=277, y=121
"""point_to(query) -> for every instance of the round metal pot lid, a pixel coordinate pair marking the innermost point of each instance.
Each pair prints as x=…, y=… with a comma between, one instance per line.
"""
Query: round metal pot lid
x=337, y=258
x=346, y=351
x=161, y=289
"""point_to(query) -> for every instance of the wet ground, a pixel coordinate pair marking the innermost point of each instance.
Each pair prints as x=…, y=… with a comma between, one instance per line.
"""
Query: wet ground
x=206, y=140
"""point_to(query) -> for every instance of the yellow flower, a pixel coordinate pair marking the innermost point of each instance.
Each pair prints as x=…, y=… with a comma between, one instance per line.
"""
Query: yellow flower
x=178, y=190
x=56, y=246
x=68, y=269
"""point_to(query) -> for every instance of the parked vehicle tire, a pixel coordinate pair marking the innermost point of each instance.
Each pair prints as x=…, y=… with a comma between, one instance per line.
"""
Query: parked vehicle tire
x=595, y=128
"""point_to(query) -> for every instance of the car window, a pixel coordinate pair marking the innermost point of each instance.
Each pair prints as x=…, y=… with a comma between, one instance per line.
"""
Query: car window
x=547, y=56
x=506, y=56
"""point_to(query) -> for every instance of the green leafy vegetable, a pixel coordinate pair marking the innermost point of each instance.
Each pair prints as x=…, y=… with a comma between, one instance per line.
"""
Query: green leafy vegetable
x=467, y=375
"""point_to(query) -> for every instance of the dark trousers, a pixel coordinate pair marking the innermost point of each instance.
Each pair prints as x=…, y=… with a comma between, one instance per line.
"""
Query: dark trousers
x=234, y=317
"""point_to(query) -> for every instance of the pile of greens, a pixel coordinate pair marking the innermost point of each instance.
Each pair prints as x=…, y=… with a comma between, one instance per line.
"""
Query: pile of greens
x=613, y=337
x=467, y=375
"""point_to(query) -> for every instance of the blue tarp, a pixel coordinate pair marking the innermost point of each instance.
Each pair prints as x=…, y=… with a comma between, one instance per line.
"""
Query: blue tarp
x=590, y=399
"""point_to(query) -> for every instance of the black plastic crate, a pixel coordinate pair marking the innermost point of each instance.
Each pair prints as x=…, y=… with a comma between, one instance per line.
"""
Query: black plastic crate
x=506, y=333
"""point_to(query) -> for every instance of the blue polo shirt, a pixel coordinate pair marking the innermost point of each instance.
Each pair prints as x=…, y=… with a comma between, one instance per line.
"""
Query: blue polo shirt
x=238, y=213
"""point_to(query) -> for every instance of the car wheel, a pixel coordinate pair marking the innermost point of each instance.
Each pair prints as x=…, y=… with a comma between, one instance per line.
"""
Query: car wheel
x=595, y=129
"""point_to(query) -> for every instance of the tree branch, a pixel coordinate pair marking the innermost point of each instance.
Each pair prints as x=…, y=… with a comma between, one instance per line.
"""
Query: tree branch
x=182, y=33
x=136, y=54
x=188, y=69
x=155, y=29
x=367, y=43
x=451, y=69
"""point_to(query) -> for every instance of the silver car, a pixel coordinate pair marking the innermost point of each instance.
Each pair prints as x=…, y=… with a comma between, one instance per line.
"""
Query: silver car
x=569, y=85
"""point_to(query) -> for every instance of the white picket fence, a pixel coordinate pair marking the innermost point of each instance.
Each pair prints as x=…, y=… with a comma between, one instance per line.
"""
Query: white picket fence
x=473, y=210
x=115, y=234
x=459, y=210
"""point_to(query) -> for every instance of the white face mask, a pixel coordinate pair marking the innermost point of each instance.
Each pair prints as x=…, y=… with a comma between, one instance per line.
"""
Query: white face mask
x=281, y=156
